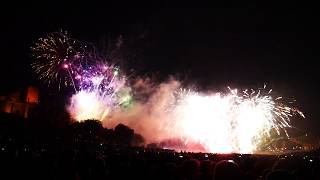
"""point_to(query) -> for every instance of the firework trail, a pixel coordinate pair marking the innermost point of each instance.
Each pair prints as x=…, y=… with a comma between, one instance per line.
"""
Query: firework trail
x=57, y=58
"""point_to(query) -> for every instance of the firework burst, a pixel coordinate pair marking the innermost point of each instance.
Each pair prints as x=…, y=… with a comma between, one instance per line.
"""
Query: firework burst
x=57, y=58
x=228, y=122
x=102, y=89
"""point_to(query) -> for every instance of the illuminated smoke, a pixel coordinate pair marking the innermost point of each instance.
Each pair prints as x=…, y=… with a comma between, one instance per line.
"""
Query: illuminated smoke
x=221, y=122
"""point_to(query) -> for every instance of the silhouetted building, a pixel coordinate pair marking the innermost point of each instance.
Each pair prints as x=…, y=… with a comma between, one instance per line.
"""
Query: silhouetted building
x=20, y=102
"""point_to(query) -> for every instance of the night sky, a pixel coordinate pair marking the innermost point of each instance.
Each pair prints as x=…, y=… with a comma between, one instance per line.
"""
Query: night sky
x=210, y=48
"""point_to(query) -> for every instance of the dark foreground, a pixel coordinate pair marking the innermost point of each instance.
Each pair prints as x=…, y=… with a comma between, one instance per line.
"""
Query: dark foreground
x=95, y=161
x=91, y=152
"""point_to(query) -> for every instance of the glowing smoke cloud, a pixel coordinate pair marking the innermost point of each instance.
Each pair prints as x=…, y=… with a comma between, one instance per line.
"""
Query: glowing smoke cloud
x=221, y=122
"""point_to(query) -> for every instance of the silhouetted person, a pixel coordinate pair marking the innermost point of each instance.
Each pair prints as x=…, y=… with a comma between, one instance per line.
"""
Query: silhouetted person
x=190, y=169
x=227, y=169
x=170, y=171
x=206, y=169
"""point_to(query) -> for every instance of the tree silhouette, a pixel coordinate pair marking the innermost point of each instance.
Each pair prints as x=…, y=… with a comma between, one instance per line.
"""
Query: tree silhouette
x=137, y=140
x=123, y=134
x=87, y=131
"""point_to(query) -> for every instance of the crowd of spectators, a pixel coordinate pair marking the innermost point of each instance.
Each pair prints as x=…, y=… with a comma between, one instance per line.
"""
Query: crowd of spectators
x=92, y=158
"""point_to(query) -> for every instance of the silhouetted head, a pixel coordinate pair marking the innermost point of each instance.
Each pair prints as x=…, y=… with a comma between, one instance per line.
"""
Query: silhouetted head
x=206, y=166
x=227, y=169
x=190, y=168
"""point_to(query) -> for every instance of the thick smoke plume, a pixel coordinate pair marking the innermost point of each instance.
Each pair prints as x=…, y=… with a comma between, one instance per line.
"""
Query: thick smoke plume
x=149, y=114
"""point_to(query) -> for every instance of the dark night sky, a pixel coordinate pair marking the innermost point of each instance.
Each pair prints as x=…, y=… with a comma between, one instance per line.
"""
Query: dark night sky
x=212, y=47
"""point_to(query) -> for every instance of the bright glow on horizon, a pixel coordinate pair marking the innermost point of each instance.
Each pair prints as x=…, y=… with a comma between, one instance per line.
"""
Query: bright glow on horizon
x=232, y=122
x=221, y=122
x=88, y=105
